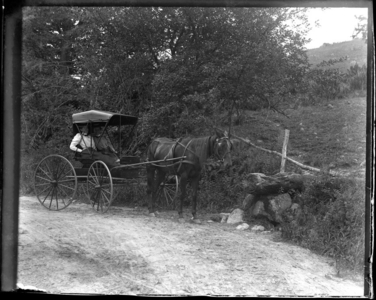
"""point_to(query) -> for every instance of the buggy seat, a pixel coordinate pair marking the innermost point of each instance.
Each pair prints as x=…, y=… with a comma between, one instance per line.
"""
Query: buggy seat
x=84, y=158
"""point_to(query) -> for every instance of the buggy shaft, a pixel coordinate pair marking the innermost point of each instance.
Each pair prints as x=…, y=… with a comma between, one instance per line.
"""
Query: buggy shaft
x=150, y=162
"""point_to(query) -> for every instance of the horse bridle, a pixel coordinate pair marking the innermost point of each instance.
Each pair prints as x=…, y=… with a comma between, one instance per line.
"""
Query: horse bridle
x=218, y=142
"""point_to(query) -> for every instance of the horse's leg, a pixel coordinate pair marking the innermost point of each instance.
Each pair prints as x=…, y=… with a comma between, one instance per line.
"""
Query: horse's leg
x=183, y=185
x=149, y=191
x=160, y=176
x=194, y=185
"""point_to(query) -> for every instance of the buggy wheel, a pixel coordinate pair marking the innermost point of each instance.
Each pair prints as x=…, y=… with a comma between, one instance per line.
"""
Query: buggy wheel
x=168, y=191
x=55, y=182
x=99, y=186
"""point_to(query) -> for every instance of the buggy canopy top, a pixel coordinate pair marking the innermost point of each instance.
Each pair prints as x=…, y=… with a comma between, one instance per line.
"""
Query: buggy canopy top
x=98, y=116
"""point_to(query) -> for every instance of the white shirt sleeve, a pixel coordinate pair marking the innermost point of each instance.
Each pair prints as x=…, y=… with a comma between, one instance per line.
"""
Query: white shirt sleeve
x=76, y=140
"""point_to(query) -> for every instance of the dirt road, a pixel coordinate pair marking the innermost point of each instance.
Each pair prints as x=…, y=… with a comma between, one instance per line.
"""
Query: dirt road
x=127, y=252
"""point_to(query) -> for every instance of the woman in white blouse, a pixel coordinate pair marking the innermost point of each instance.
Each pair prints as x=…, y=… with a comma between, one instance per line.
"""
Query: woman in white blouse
x=84, y=140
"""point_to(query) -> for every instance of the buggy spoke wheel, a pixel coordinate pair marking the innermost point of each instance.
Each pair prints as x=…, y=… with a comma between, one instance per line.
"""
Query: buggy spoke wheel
x=99, y=186
x=168, y=191
x=55, y=182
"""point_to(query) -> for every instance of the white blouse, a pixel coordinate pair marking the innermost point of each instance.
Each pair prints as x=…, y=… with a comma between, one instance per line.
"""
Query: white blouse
x=85, y=141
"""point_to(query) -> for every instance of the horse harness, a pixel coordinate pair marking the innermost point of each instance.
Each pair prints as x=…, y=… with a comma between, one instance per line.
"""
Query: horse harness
x=172, y=150
x=170, y=154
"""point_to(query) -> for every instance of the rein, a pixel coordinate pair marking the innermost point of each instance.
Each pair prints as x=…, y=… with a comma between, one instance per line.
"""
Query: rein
x=185, y=149
x=171, y=155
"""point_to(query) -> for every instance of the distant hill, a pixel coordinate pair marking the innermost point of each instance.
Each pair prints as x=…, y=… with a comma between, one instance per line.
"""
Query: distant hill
x=355, y=50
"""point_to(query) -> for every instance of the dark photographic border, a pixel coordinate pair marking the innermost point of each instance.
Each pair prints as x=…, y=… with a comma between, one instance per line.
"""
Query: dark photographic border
x=11, y=111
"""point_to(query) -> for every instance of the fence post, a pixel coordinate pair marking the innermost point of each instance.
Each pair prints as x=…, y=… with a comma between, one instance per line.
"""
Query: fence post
x=284, y=150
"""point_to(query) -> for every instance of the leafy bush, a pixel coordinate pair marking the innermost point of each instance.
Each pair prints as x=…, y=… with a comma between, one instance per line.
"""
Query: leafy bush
x=222, y=189
x=325, y=84
x=357, y=77
x=255, y=161
x=332, y=221
x=218, y=191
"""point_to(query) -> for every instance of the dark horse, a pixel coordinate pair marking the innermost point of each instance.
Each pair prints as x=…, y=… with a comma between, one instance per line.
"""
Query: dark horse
x=196, y=151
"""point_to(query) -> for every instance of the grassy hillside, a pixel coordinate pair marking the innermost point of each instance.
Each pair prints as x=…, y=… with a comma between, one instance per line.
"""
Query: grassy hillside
x=320, y=136
x=330, y=135
x=355, y=50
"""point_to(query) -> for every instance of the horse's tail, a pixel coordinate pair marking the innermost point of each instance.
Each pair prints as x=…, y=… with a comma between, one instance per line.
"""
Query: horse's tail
x=151, y=150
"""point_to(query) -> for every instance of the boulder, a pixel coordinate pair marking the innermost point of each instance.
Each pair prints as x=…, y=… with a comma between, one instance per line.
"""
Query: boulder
x=295, y=208
x=258, y=228
x=258, y=209
x=248, y=201
x=293, y=214
x=224, y=217
x=236, y=216
x=243, y=226
x=270, y=196
x=277, y=205
x=272, y=207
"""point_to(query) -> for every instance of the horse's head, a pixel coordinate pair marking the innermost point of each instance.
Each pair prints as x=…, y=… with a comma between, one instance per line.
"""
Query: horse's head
x=222, y=149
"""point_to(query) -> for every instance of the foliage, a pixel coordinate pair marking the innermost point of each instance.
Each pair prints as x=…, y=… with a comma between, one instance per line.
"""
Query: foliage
x=169, y=66
x=218, y=191
x=256, y=161
x=136, y=60
x=177, y=69
x=335, y=72
x=357, y=77
x=244, y=67
x=361, y=28
x=221, y=190
x=325, y=83
x=332, y=220
x=49, y=92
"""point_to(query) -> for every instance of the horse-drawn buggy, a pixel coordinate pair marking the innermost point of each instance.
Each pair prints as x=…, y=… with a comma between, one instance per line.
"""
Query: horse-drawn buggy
x=167, y=163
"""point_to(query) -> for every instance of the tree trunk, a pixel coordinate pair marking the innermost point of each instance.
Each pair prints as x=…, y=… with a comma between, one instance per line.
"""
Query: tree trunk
x=260, y=184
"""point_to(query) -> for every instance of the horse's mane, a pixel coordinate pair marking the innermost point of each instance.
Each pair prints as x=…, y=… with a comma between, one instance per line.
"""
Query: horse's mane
x=200, y=146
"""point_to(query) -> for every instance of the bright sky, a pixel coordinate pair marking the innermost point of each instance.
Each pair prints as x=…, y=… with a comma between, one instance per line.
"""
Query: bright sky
x=337, y=25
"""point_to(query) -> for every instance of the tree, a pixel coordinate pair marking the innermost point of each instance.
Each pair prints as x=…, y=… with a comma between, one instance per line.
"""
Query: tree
x=361, y=28
x=179, y=69
x=49, y=92
x=252, y=59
